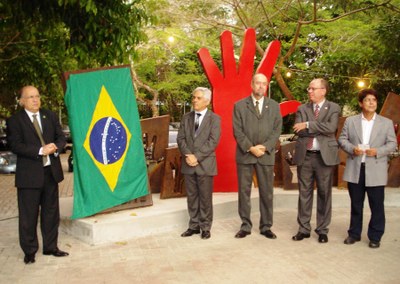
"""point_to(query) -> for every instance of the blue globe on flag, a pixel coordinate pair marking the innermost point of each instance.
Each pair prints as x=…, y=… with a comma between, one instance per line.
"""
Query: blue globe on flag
x=108, y=140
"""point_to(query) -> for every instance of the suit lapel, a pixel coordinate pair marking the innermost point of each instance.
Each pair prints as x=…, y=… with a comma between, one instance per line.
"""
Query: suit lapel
x=358, y=127
x=191, y=123
x=265, y=107
x=205, y=120
x=375, y=129
x=250, y=106
x=323, y=111
x=27, y=121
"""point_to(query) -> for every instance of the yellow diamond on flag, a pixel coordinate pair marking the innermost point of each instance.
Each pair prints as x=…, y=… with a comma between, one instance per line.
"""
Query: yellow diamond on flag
x=107, y=140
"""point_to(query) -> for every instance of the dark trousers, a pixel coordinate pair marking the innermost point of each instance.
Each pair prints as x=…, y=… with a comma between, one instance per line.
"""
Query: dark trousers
x=265, y=179
x=314, y=170
x=199, y=201
x=31, y=201
x=376, y=198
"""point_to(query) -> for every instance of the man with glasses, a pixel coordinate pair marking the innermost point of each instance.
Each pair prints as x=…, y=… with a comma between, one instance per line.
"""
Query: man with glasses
x=316, y=154
x=35, y=135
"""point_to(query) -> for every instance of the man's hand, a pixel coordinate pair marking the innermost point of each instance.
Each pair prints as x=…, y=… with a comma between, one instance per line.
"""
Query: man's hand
x=358, y=151
x=371, y=152
x=258, y=150
x=191, y=160
x=299, y=126
x=49, y=149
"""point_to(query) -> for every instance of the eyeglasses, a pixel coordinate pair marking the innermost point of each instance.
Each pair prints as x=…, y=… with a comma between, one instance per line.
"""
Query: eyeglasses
x=32, y=97
x=313, y=89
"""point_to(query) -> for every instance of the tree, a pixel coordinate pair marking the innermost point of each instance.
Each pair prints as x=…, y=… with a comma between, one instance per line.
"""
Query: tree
x=319, y=38
x=43, y=39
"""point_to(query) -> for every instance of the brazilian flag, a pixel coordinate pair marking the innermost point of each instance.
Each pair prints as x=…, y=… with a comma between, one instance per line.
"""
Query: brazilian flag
x=109, y=163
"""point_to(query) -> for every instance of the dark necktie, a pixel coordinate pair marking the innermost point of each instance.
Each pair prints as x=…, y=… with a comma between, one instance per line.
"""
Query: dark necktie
x=257, y=109
x=196, y=122
x=39, y=133
x=311, y=139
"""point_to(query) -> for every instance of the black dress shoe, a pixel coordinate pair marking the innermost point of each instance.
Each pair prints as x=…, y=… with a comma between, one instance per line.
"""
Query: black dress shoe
x=241, y=234
x=350, y=240
x=56, y=252
x=300, y=236
x=374, y=244
x=29, y=258
x=205, y=234
x=323, y=238
x=190, y=232
x=269, y=234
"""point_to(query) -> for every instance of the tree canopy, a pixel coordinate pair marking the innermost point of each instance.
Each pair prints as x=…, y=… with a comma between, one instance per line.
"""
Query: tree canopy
x=42, y=39
x=342, y=41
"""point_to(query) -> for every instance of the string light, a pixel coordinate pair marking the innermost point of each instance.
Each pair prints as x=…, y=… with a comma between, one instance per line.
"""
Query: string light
x=361, y=83
x=324, y=74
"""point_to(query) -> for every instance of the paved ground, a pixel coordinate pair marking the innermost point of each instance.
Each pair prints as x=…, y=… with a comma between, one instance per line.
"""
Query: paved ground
x=168, y=258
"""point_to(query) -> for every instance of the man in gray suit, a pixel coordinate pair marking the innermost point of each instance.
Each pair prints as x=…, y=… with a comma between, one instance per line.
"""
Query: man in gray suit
x=316, y=154
x=368, y=139
x=198, y=136
x=257, y=125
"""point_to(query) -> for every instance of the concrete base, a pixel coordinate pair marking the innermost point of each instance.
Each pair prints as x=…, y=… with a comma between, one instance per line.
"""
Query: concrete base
x=171, y=214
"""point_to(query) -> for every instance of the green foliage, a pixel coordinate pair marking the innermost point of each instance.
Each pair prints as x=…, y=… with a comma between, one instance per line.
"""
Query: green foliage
x=42, y=39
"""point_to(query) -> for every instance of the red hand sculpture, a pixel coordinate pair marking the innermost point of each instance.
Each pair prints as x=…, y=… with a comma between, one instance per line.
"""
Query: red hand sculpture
x=229, y=87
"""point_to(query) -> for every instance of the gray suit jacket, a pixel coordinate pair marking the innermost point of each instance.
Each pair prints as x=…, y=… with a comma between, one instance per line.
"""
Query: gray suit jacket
x=323, y=129
x=382, y=138
x=249, y=130
x=202, y=146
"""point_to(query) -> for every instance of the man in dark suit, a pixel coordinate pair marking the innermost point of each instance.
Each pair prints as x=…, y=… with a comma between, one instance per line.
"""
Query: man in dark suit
x=316, y=154
x=257, y=125
x=368, y=139
x=198, y=136
x=35, y=135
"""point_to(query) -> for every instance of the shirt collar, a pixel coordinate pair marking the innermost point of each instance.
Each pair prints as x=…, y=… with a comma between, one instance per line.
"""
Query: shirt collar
x=363, y=117
x=260, y=101
x=319, y=104
x=203, y=112
x=32, y=113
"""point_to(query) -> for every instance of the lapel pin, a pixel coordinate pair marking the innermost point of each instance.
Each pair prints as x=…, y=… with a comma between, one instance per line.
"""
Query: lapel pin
x=325, y=107
x=266, y=106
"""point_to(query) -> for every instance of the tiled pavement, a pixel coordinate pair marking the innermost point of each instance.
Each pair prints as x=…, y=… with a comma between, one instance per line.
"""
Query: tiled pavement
x=168, y=258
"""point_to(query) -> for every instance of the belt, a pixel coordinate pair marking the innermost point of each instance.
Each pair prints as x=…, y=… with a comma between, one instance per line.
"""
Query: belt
x=313, y=151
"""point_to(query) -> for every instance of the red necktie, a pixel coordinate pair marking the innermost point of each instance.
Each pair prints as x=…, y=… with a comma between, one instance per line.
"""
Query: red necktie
x=311, y=139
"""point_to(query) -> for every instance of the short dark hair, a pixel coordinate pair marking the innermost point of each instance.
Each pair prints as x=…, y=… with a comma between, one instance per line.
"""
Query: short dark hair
x=363, y=93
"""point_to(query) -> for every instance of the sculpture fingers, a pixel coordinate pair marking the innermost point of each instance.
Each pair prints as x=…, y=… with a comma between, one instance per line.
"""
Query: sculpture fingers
x=246, y=61
x=269, y=59
x=211, y=69
x=228, y=56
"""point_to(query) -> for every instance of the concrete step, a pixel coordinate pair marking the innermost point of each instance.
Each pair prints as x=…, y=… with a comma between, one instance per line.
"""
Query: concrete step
x=171, y=214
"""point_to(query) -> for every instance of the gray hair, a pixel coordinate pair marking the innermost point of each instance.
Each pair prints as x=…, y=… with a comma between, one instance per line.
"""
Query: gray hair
x=206, y=92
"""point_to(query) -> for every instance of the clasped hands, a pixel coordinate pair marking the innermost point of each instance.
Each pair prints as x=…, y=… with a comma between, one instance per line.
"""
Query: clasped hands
x=257, y=150
x=49, y=149
x=191, y=160
x=369, y=152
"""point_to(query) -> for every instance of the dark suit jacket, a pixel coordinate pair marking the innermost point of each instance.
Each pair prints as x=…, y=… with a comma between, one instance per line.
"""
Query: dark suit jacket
x=202, y=146
x=323, y=129
x=25, y=142
x=249, y=130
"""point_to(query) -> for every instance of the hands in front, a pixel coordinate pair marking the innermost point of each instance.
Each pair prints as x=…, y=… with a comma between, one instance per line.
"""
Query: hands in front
x=257, y=150
x=191, y=160
x=49, y=149
x=369, y=152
